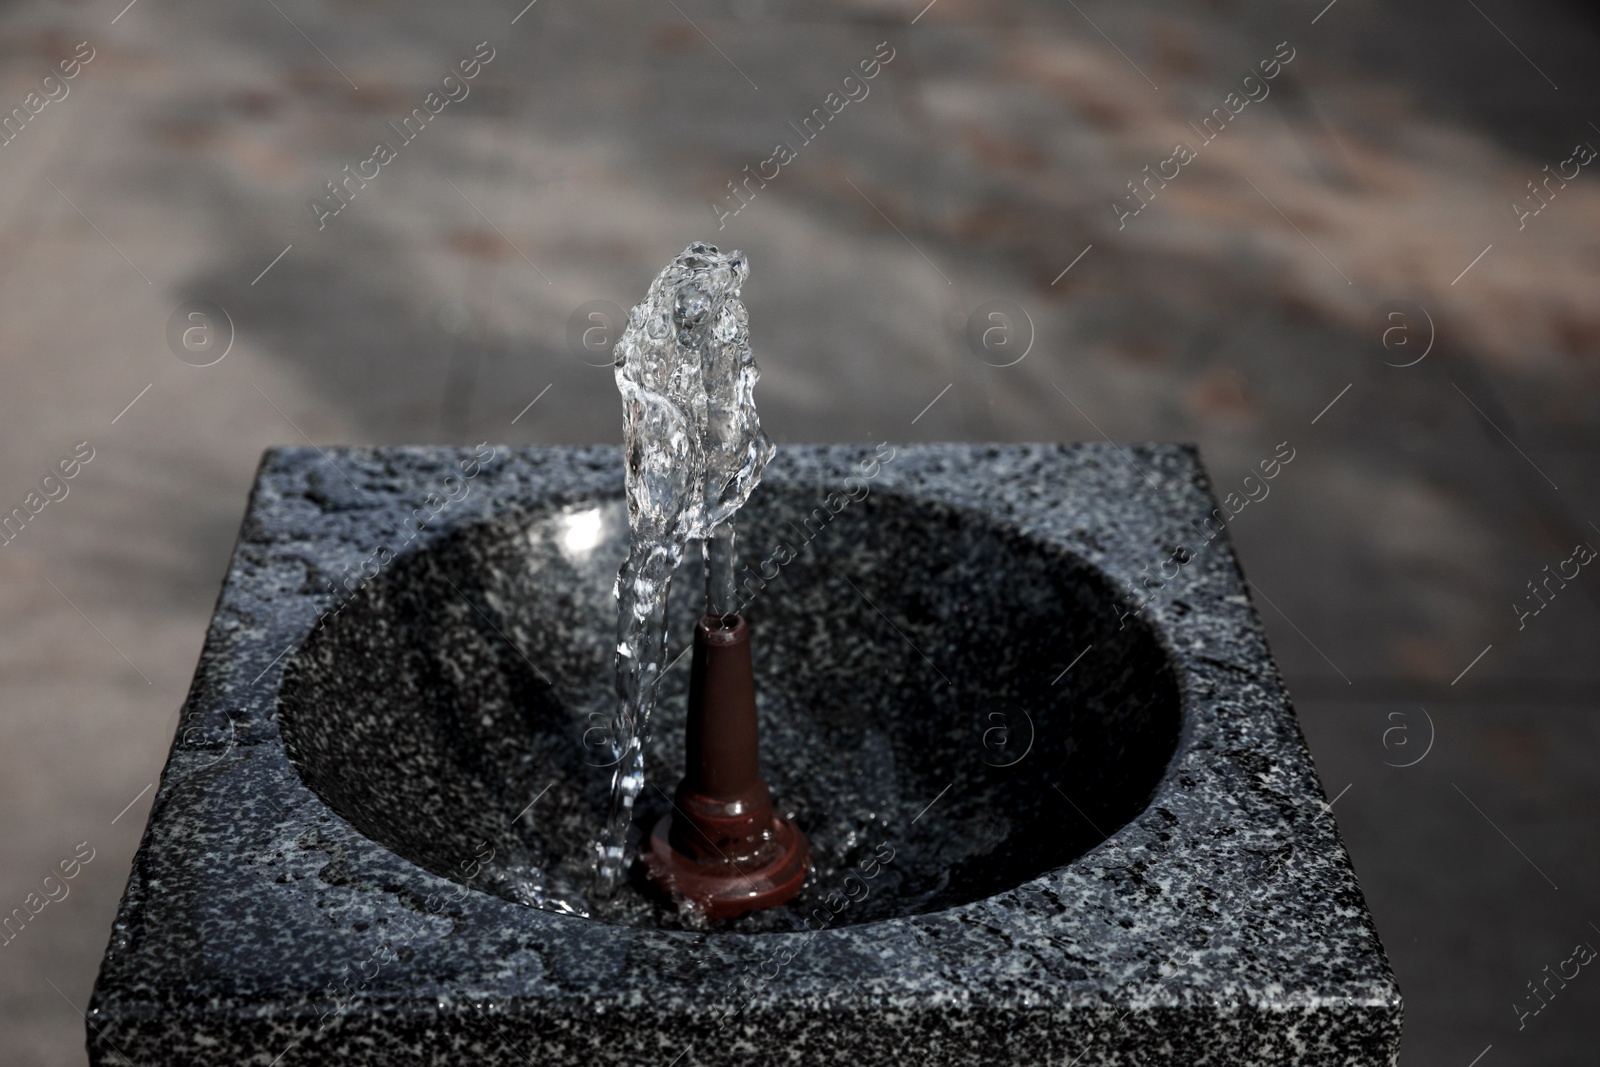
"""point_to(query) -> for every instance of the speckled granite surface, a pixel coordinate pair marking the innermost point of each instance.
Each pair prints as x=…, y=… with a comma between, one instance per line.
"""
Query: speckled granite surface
x=968, y=906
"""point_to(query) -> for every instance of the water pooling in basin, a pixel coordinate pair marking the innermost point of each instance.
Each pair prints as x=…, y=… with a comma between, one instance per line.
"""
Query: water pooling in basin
x=694, y=450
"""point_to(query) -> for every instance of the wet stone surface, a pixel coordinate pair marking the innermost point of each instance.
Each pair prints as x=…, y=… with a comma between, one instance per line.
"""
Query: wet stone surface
x=1046, y=828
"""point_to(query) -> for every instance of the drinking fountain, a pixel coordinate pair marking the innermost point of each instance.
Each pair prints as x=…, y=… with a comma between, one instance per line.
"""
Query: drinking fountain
x=995, y=802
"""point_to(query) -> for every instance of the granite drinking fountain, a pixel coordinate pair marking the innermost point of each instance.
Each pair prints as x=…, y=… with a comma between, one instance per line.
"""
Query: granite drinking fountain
x=1053, y=812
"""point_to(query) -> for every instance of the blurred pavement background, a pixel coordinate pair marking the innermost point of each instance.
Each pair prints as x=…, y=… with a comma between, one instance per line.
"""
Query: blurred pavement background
x=1359, y=216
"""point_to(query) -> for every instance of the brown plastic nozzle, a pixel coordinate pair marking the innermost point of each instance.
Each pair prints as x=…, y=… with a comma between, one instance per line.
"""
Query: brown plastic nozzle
x=722, y=847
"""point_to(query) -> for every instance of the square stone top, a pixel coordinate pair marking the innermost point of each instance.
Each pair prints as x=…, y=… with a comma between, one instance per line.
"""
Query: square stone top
x=1220, y=923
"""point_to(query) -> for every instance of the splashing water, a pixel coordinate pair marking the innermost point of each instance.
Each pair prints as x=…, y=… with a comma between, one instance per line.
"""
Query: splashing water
x=694, y=451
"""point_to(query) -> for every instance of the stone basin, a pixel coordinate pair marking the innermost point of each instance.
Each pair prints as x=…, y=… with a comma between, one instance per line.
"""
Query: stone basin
x=1045, y=828
x=908, y=650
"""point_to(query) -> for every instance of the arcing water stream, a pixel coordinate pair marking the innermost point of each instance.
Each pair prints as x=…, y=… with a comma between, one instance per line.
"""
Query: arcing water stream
x=694, y=451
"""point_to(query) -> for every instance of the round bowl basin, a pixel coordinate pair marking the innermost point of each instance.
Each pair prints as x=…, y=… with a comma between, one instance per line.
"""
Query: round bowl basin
x=945, y=703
